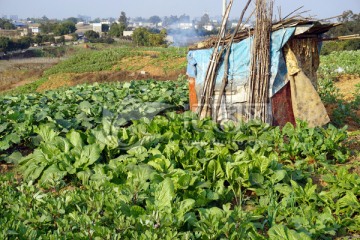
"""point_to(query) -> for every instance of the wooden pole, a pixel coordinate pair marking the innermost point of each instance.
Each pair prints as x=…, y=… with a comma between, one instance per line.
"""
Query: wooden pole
x=259, y=80
x=226, y=61
x=204, y=110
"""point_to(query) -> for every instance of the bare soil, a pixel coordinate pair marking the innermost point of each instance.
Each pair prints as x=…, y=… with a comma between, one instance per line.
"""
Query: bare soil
x=18, y=72
x=347, y=89
x=346, y=85
x=15, y=73
x=73, y=79
x=133, y=68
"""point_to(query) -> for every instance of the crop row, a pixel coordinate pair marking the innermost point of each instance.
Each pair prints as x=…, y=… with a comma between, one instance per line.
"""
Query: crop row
x=83, y=107
x=114, y=161
x=94, y=61
x=178, y=177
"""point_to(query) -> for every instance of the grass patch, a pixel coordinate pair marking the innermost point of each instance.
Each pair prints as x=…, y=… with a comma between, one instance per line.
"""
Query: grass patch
x=27, y=88
x=101, y=60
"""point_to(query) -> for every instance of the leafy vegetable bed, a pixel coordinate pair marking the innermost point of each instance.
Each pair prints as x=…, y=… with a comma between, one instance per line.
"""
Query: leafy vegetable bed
x=344, y=62
x=96, y=173
x=83, y=107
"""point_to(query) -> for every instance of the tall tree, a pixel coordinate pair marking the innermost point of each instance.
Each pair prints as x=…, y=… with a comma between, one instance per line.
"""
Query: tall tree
x=45, y=18
x=123, y=19
x=170, y=20
x=4, y=44
x=350, y=25
x=91, y=34
x=116, y=30
x=155, y=19
x=73, y=19
x=184, y=18
x=6, y=24
x=96, y=20
x=141, y=36
x=205, y=19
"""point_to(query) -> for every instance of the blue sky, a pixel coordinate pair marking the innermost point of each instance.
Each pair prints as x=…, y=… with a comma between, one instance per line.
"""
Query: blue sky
x=147, y=8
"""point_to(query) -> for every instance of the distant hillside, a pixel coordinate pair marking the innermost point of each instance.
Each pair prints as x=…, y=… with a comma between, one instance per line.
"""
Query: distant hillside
x=110, y=64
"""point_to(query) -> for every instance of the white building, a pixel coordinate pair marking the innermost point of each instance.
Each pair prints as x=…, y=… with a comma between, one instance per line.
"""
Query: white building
x=99, y=27
x=234, y=24
x=186, y=25
x=128, y=33
x=34, y=30
x=209, y=27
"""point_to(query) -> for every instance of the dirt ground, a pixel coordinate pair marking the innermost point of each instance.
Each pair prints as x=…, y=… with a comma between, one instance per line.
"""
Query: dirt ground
x=347, y=89
x=18, y=72
x=346, y=85
x=72, y=79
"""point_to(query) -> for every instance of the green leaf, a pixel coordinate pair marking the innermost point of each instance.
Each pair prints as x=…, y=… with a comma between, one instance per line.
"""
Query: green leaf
x=348, y=201
x=85, y=106
x=14, y=138
x=14, y=158
x=281, y=232
x=265, y=162
x=211, y=170
x=47, y=132
x=184, y=207
x=164, y=194
x=89, y=155
x=64, y=123
x=75, y=139
x=52, y=174
x=3, y=127
x=283, y=188
x=84, y=176
x=137, y=211
x=184, y=181
x=139, y=152
x=4, y=145
x=256, y=179
x=33, y=171
x=278, y=176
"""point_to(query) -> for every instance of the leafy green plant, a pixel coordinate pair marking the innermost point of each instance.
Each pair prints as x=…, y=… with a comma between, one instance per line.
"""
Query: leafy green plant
x=106, y=165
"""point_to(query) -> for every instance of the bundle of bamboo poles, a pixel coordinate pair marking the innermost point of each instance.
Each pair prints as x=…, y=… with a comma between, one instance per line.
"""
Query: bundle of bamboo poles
x=225, y=79
x=207, y=105
x=258, y=89
x=207, y=96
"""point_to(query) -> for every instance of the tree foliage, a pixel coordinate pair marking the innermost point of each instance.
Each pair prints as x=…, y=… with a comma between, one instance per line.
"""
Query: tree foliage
x=205, y=19
x=6, y=24
x=170, y=20
x=123, y=19
x=73, y=20
x=350, y=24
x=155, y=19
x=91, y=34
x=58, y=29
x=143, y=37
x=116, y=30
x=65, y=28
x=96, y=20
x=184, y=18
x=7, y=44
x=4, y=44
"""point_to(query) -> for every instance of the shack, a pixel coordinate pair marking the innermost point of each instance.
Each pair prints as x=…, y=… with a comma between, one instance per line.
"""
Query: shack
x=294, y=58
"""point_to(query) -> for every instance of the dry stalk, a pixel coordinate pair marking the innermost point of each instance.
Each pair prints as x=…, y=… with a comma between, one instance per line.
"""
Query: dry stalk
x=204, y=109
x=258, y=89
x=226, y=60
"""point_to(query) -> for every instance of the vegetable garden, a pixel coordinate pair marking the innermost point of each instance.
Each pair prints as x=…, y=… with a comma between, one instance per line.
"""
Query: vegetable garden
x=126, y=161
